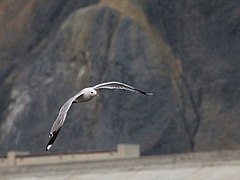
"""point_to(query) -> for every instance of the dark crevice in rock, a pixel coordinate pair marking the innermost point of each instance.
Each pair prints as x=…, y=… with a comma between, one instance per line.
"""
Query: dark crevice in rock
x=188, y=102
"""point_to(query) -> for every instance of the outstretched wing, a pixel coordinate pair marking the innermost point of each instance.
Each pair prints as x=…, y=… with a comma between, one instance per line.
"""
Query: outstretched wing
x=58, y=123
x=119, y=85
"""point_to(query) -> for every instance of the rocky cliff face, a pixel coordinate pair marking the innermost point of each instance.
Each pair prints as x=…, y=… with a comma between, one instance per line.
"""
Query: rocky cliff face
x=186, y=53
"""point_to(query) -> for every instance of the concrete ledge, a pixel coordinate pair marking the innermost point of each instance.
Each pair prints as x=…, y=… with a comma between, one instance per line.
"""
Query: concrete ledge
x=15, y=158
x=218, y=165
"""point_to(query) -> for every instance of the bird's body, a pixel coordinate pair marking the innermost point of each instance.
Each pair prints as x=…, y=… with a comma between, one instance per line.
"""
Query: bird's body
x=84, y=95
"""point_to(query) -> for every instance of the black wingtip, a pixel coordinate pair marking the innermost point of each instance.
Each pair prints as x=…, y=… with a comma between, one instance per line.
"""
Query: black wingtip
x=145, y=93
x=52, y=138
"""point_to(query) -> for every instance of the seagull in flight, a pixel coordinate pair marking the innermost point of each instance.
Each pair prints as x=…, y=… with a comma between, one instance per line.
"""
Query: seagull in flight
x=85, y=95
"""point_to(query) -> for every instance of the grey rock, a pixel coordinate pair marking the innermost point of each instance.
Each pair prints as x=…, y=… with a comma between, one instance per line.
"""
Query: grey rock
x=185, y=52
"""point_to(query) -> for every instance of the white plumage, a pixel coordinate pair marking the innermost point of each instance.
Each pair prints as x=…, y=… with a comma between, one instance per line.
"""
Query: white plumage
x=84, y=95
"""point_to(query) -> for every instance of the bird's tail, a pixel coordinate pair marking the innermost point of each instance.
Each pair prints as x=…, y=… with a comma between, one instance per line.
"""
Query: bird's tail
x=52, y=138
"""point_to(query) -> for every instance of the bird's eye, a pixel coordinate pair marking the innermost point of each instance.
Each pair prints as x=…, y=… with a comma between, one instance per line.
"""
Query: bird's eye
x=92, y=92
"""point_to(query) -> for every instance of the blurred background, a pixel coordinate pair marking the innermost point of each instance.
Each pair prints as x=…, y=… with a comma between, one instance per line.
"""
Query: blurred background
x=185, y=52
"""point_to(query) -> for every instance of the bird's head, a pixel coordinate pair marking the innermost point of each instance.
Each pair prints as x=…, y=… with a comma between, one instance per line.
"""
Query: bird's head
x=92, y=92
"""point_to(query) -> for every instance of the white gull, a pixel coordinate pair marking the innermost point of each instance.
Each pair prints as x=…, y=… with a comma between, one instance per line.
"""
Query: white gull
x=84, y=95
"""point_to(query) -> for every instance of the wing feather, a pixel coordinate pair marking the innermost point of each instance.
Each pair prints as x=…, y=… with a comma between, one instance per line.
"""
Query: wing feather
x=58, y=123
x=121, y=86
